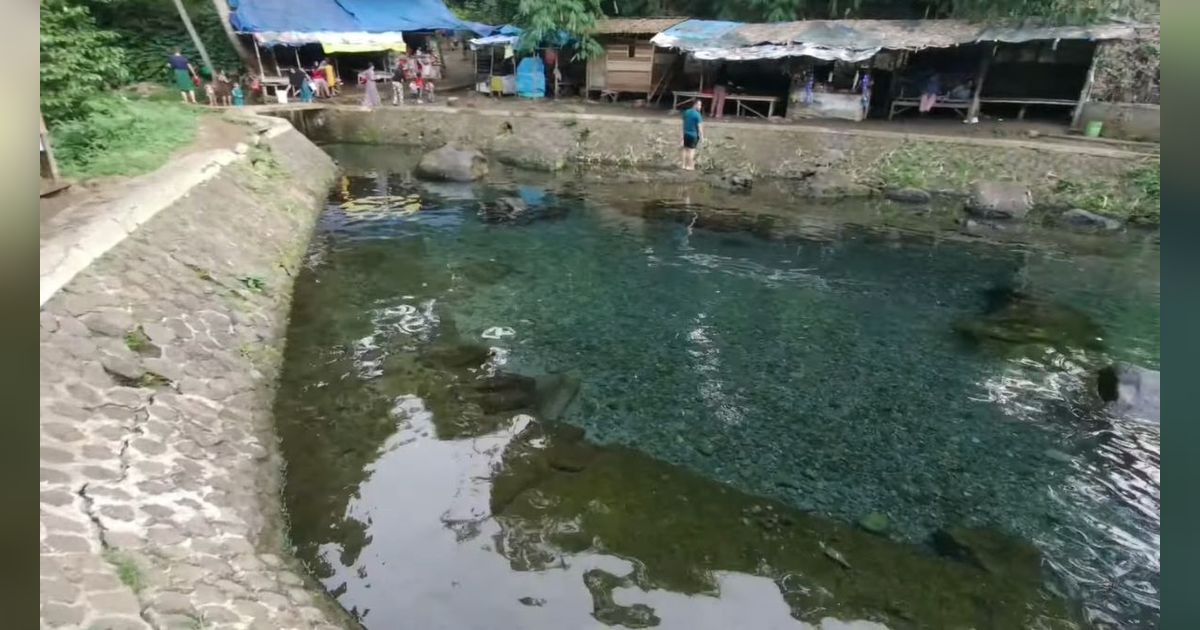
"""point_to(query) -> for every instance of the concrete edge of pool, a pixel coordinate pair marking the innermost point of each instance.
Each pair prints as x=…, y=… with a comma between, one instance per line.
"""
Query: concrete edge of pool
x=160, y=343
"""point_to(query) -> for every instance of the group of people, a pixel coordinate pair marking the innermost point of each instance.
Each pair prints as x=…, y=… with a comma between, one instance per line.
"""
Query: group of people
x=319, y=82
x=224, y=89
x=416, y=75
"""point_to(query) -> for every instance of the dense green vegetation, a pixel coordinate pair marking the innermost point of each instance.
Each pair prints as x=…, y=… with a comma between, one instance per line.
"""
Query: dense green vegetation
x=91, y=47
x=148, y=30
x=515, y=11
x=116, y=135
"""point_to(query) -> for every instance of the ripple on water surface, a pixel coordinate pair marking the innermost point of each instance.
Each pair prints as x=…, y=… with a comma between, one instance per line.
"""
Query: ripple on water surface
x=783, y=390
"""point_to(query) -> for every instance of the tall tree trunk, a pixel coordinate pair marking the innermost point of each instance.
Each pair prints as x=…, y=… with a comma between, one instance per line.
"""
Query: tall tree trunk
x=187, y=23
x=239, y=47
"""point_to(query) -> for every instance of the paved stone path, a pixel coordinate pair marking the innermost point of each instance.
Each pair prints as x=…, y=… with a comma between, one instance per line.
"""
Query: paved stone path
x=159, y=476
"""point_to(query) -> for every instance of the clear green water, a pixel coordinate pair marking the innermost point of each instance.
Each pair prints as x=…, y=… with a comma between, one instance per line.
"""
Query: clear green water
x=822, y=374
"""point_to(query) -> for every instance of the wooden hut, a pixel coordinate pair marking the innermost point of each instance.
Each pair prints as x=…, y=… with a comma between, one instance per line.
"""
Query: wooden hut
x=630, y=63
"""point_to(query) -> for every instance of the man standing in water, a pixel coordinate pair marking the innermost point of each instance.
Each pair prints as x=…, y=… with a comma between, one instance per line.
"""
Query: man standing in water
x=183, y=71
x=692, y=134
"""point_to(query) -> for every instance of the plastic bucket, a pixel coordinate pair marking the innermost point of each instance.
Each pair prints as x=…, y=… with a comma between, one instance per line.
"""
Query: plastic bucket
x=1093, y=129
x=281, y=97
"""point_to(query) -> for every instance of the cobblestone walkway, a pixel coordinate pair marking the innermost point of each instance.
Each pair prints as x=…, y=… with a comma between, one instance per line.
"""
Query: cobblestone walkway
x=159, y=489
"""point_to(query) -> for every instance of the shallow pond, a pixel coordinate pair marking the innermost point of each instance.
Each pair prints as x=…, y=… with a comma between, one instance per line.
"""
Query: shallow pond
x=638, y=408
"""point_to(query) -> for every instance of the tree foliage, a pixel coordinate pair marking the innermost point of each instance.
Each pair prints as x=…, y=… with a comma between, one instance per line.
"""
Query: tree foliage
x=78, y=60
x=542, y=20
x=149, y=30
x=502, y=11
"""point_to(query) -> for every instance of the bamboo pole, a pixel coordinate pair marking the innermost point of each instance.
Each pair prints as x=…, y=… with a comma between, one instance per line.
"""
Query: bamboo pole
x=187, y=22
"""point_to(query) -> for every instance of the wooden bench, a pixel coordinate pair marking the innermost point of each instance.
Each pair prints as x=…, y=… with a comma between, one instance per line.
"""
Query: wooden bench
x=1026, y=102
x=684, y=97
x=905, y=103
x=742, y=107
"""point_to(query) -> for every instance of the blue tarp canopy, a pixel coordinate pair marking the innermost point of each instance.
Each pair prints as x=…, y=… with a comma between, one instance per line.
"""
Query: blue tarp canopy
x=346, y=16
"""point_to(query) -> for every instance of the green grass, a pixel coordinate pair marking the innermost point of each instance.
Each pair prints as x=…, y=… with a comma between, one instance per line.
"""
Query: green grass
x=119, y=136
x=926, y=166
x=138, y=341
x=1133, y=197
x=127, y=570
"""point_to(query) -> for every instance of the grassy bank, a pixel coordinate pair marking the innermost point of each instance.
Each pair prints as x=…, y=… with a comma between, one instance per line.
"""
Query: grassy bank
x=1130, y=196
x=123, y=136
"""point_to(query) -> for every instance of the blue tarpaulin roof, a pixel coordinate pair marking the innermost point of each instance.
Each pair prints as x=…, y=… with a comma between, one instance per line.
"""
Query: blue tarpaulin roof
x=347, y=16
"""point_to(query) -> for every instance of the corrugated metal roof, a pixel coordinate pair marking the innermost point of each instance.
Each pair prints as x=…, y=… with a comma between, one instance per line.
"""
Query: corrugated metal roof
x=861, y=35
x=635, y=26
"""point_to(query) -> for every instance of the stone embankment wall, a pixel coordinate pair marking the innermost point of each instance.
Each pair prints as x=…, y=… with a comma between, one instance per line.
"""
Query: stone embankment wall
x=550, y=140
x=159, y=473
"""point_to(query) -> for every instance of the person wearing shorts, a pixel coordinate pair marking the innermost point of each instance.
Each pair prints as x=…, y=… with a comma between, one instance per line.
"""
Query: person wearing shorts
x=692, y=134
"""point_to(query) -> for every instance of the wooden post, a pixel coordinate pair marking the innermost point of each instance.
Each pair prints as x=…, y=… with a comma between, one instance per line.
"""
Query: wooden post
x=44, y=136
x=187, y=22
x=1086, y=94
x=258, y=55
x=299, y=66
x=984, y=64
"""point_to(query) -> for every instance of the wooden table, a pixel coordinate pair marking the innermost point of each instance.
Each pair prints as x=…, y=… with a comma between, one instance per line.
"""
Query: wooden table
x=687, y=97
x=740, y=99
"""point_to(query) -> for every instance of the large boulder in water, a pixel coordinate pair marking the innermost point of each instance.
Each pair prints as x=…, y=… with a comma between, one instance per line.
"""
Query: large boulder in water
x=999, y=200
x=1130, y=391
x=531, y=153
x=452, y=164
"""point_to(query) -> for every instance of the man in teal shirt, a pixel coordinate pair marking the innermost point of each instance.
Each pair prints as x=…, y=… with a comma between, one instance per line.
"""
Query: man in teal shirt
x=692, y=135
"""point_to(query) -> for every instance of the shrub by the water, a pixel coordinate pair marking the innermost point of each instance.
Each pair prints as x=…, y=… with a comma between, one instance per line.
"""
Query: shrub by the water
x=119, y=136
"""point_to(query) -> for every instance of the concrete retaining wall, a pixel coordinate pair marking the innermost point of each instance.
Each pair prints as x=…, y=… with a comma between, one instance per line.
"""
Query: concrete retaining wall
x=159, y=474
x=1124, y=121
x=764, y=150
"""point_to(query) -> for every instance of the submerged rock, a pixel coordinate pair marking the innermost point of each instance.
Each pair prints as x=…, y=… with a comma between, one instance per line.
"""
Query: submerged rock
x=999, y=200
x=875, y=523
x=908, y=195
x=452, y=164
x=503, y=209
x=455, y=355
x=554, y=393
x=1082, y=219
x=1015, y=319
x=1130, y=391
x=993, y=551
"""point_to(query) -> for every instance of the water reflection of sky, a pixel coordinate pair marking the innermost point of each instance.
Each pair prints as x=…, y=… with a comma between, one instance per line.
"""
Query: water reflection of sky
x=432, y=561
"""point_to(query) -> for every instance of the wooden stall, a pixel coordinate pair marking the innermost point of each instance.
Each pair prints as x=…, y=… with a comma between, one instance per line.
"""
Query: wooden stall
x=630, y=63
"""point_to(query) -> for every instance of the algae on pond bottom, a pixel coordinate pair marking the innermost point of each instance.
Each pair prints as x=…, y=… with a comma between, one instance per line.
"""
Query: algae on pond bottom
x=556, y=495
